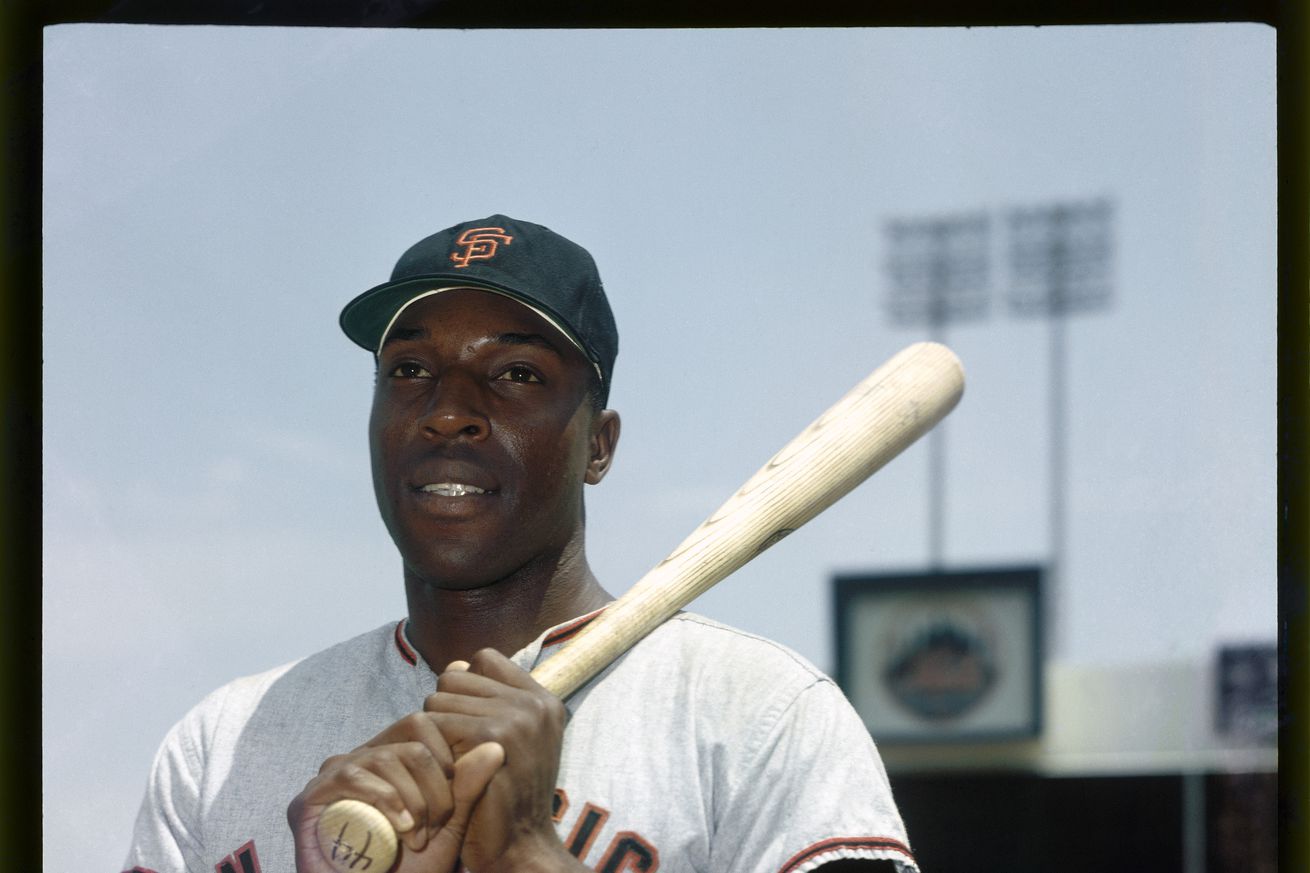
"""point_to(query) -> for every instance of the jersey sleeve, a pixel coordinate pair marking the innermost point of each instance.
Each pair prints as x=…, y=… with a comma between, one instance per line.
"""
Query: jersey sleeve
x=810, y=789
x=166, y=837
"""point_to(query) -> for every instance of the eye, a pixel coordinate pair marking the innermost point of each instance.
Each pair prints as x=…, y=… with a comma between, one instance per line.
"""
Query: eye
x=409, y=370
x=519, y=373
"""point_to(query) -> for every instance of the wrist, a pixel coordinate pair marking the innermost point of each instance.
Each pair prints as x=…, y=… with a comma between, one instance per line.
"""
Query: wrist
x=535, y=853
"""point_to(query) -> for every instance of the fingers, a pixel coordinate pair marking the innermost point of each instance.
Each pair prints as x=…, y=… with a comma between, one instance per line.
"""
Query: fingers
x=491, y=664
x=408, y=772
x=466, y=693
x=489, y=676
x=494, y=700
x=494, y=665
x=386, y=785
x=470, y=682
x=421, y=792
x=473, y=774
x=415, y=727
x=514, y=719
x=405, y=772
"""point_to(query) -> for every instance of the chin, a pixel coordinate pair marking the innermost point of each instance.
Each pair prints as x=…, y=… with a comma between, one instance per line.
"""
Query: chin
x=458, y=572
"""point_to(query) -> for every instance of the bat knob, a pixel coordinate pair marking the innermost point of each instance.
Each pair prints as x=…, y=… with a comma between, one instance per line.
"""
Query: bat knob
x=354, y=836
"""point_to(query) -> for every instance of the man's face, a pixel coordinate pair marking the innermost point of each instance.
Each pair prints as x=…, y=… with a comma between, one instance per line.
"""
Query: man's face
x=482, y=434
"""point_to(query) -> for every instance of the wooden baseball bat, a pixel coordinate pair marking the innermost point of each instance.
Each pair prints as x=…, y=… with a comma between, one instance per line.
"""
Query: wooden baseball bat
x=876, y=420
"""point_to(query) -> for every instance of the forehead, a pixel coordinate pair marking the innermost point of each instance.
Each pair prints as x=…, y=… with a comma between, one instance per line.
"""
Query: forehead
x=468, y=318
x=467, y=308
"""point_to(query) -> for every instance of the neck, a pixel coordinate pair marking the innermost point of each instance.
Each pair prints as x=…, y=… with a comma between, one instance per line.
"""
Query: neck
x=506, y=614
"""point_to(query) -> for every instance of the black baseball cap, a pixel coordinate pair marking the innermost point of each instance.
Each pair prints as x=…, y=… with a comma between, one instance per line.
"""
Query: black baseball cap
x=532, y=264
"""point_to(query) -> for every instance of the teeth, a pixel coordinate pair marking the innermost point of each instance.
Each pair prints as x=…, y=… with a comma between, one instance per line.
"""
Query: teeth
x=452, y=489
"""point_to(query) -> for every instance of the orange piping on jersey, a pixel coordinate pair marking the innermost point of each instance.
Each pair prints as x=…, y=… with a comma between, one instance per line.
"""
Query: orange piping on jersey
x=876, y=843
x=570, y=629
x=402, y=644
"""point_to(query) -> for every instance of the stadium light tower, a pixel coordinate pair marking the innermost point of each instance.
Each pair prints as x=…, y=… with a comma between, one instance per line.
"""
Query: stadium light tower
x=1060, y=265
x=939, y=275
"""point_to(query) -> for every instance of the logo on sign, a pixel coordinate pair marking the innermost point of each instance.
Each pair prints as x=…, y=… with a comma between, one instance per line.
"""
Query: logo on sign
x=942, y=665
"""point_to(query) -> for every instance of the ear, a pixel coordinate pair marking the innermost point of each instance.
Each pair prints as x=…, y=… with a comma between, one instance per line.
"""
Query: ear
x=604, y=440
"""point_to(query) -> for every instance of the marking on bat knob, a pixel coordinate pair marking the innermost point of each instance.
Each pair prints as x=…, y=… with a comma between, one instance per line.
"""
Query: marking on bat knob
x=774, y=537
x=355, y=838
x=343, y=853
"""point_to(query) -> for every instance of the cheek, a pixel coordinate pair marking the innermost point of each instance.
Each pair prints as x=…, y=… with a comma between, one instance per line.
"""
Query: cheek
x=572, y=455
x=556, y=466
x=375, y=440
x=381, y=439
x=386, y=424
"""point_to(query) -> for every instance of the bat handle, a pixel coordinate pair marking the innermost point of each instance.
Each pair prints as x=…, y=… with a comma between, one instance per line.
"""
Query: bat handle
x=351, y=831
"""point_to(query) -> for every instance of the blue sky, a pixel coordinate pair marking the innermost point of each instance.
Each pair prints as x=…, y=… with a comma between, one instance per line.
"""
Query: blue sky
x=213, y=196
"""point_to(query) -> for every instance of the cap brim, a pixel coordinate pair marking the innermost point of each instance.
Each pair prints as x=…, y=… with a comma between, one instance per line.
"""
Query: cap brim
x=367, y=318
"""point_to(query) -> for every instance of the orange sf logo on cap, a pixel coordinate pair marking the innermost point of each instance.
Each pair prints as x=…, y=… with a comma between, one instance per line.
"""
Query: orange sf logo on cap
x=479, y=244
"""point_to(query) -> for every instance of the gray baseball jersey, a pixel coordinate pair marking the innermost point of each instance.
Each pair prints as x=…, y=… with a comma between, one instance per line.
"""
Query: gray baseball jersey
x=702, y=749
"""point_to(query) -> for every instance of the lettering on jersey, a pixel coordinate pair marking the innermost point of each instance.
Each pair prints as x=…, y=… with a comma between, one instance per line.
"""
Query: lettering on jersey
x=243, y=860
x=586, y=830
x=479, y=244
x=628, y=851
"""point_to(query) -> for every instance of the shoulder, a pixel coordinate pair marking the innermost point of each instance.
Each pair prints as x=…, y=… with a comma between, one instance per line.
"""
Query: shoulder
x=691, y=661
x=710, y=649
x=226, y=708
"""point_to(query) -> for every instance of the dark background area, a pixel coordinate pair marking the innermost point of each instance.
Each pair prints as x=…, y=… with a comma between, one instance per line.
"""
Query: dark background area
x=1032, y=824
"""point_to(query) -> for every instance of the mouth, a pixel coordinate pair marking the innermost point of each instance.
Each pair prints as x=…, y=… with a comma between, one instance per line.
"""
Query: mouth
x=452, y=489
x=452, y=500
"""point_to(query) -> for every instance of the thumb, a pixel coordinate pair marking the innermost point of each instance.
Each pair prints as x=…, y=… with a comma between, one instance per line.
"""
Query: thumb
x=473, y=773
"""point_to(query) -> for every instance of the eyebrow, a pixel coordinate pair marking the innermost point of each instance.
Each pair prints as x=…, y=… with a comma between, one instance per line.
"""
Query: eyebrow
x=405, y=334
x=527, y=339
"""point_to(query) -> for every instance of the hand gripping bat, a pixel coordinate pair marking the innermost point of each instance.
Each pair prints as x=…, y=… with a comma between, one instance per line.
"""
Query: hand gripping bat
x=876, y=420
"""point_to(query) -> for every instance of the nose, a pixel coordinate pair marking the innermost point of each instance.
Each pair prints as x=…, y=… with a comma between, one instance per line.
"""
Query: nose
x=455, y=411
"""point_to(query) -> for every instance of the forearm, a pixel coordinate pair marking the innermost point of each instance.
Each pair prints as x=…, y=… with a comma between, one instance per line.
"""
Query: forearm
x=542, y=854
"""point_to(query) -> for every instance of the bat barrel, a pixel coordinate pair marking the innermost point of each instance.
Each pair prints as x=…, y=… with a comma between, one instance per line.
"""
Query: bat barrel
x=873, y=423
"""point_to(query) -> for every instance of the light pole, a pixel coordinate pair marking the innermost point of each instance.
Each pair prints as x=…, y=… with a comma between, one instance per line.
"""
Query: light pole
x=1060, y=259
x=939, y=271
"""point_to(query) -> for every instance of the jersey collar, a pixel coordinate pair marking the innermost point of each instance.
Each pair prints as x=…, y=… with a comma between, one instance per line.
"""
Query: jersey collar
x=551, y=641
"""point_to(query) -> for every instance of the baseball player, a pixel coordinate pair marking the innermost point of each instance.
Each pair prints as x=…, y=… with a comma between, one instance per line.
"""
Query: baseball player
x=702, y=749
